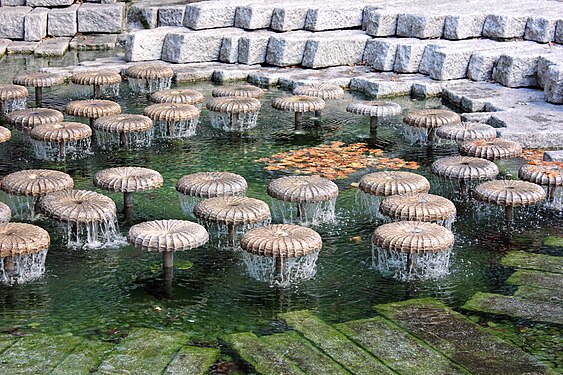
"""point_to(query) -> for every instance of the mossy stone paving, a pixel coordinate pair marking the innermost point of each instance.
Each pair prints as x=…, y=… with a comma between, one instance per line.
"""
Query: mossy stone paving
x=259, y=354
x=499, y=304
x=299, y=350
x=530, y=261
x=86, y=356
x=459, y=339
x=401, y=351
x=335, y=344
x=537, y=279
x=192, y=360
x=148, y=351
x=539, y=294
x=6, y=341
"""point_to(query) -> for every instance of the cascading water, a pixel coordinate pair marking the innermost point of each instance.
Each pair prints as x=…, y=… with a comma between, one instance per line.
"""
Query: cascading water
x=22, y=268
x=176, y=129
x=23, y=207
x=411, y=266
x=12, y=105
x=415, y=135
x=131, y=140
x=233, y=122
x=280, y=271
x=304, y=213
x=93, y=235
x=61, y=151
x=369, y=203
x=224, y=236
x=149, y=85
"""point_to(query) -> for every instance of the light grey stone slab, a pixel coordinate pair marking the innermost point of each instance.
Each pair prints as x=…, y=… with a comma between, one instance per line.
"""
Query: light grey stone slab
x=553, y=84
x=504, y=26
x=553, y=155
x=540, y=29
x=289, y=18
x=380, y=85
x=517, y=69
x=443, y=63
x=463, y=26
x=380, y=22
x=287, y=49
x=559, y=32
x=195, y=46
x=21, y=47
x=265, y=77
x=144, y=45
x=480, y=117
x=141, y=16
x=229, y=49
x=422, y=26
x=12, y=3
x=4, y=43
x=171, y=15
x=212, y=14
x=254, y=16
x=481, y=65
x=332, y=17
x=426, y=89
x=35, y=24
x=380, y=53
x=93, y=42
x=334, y=48
x=53, y=47
x=409, y=55
x=252, y=47
x=12, y=21
x=49, y=3
x=62, y=21
x=100, y=18
x=233, y=74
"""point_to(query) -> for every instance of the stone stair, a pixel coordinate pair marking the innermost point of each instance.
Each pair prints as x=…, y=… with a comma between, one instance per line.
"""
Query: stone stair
x=143, y=351
x=416, y=336
x=477, y=40
x=538, y=297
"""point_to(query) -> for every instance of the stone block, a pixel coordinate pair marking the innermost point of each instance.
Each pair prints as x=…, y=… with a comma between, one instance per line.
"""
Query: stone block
x=252, y=47
x=380, y=53
x=504, y=26
x=12, y=20
x=380, y=22
x=171, y=15
x=443, y=62
x=12, y=3
x=194, y=72
x=229, y=75
x=21, y=47
x=62, y=21
x=334, y=49
x=195, y=46
x=142, y=17
x=212, y=14
x=480, y=117
x=409, y=55
x=53, y=47
x=229, y=49
x=553, y=84
x=288, y=18
x=421, y=26
x=463, y=26
x=145, y=45
x=517, y=69
x=426, y=89
x=265, y=77
x=385, y=85
x=481, y=65
x=559, y=32
x=334, y=17
x=254, y=16
x=93, y=42
x=553, y=155
x=287, y=49
x=49, y=3
x=4, y=43
x=35, y=24
x=540, y=29
x=100, y=18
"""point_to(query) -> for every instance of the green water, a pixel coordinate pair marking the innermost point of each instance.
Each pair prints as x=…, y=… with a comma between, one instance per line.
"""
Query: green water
x=104, y=292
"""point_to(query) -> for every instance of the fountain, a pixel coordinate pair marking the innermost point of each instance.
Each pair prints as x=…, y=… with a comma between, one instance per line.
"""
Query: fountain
x=419, y=207
x=124, y=131
x=92, y=109
x=173, y=120
x=24, y=189
x=23, y=249
x=5, y=134
x=375, y=110
x=322, y=90
x=307, y=200
x=465, y=170
x=409, y=250
x=510, y=194
x=104, y=83
x=233, y=214
x=495, y=149
x=193, y=188
x=60, y=141
x=149, y=78
x=233, y=113
x=128, y=180
x=420, y=126
x=38, y=80
x=244, y=91
x=466, y=131
x=27, y=119
x=281, y=254
x=5, y=213
x=299, y=105
x=373, y=187
x=88, y=218
x=167, y=237
x=546, y=174
x=184, y=96
x=12, y=98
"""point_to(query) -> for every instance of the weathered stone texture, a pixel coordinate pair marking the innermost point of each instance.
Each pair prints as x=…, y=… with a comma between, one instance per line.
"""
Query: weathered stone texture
x=144, y=45
x=62, y=21
x=36, y=24
x=380, y=53
x=289, y=17
x=12, y=3
x=516, y=69
x=334, y=49
x=540, y=29
x=420, y=25
x=188, y=46
x=100, y=18
x=212, y=14
x=22, y=47
x=332, y=17
x=287, y=49
x=254, y=16
x=463, y=26
x=504, y=26
x=12, y=21
x=93, y=42
x=49, y=3
x=171, y=16
x=252, y=48
x=408, y=56
x=380, y=22
x=53, y=47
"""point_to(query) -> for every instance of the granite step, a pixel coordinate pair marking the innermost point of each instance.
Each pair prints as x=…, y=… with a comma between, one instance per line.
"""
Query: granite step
x=537, y=279
x=530, y=261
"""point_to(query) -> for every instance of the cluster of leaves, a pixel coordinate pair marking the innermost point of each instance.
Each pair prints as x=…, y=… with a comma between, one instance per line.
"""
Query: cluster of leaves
x=535, y=158
x=334, y=160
